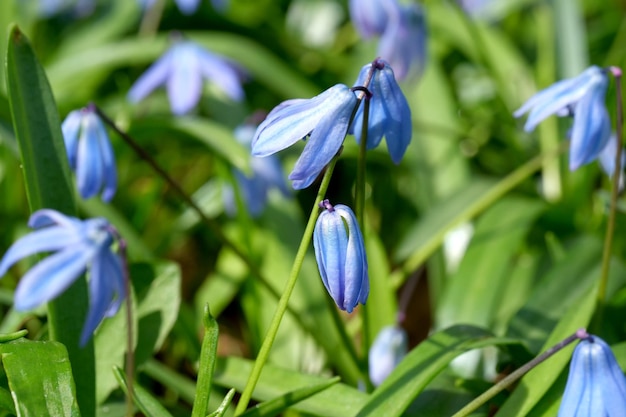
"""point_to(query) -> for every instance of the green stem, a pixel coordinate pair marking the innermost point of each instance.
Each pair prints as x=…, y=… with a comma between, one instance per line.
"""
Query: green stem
x=610, y=227
x=284, y=299
x=489, y=198
x=514, y=376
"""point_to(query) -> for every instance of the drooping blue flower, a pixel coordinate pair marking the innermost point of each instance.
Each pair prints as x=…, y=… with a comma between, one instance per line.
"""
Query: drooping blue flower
x=182, y=69
x=90, y=153
x=78, y=245
x=389, y=113
x=582, y=97
x=388, y=349
x=340, y=255
x=596, y=385
x=266, y=174
x=402, y=31
x=325, y=117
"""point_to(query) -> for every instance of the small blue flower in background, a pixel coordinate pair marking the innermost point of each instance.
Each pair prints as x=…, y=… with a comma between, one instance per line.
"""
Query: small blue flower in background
x=582, y=97
x=389, y=114
x=596, y=385
x=340, y=255
x=49, y=8
x=187, y=6
x=402, y=31
x=607, y=159
x=182, y=69
x=90, y=153
x=325, y=118
x=267, y=174
x=78, y=245
x=388, y=349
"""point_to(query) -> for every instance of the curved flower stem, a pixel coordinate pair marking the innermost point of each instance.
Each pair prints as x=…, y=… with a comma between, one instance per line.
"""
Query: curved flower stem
x=610, y=226
x=514, y=376
x=246, y=395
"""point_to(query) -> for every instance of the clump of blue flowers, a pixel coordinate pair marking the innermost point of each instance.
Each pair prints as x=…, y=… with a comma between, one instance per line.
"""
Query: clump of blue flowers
x=78, y=245
x=402, y=31
x=596, y=385
x=90, y=153
x=182, y=70
x=340, y=255
x=388, y=349
x=583, y=98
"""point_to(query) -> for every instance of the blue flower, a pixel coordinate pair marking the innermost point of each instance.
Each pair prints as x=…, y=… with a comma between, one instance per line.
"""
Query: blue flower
x=402, y=31
x=90, y=153
x=583, y=98
x=77, y=245
x=596, y=384
x=182, y=69
x=389, y=114
x=325, y=118
x=340, y=256
x=607, y=159
x=388, y=349
x=267, y=174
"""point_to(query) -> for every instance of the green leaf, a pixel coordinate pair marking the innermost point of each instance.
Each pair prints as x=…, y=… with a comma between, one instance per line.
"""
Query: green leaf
x=40, y=378
x=208, y=356
x=276, y=406
x=221, y=410
x=216, y=137
x=148, y=405
x=337, y=401
x=38, y=131
x=418, y=368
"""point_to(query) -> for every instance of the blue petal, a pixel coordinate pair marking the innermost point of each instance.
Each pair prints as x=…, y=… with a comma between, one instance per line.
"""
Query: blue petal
x=326, y=138
x=398, y=128
x=184, y=85
x=296, y=119
x=71, y=127
x=46, y=240
x=356, y=277
x=592, y=126
x=154, y=76
x=106, y=273
x=388, y=349
x=370, y=17
x=188, y=6
x=271, y=172
x=48, y=217
x=109, y=171
x=330, y=243
x=221, y=73
x=50, y=277
x=89, y=164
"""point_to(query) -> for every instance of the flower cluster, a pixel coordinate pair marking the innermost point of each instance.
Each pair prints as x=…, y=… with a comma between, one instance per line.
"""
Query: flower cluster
x=78, y=245
x=402, y=32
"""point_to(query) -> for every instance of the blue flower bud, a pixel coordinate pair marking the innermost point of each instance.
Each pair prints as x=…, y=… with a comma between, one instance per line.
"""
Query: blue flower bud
x=340, y=255
x=388, y=349
x=596, y=385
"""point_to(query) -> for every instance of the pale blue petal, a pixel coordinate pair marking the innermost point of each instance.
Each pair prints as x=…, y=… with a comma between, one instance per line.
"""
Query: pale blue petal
x=271, y=172
x=370, y=17
x=70, y=128
x=109, y=171
x=221, y=73
x=188, y=6
x=326, y=139
x=331, y=244
x=46, y=240
x=47, y=217
x=184, y=85
x=305, y=182
x=398, y=127
x=607, y=159
x=295, y=120
x=356, y=275
x=89, y=164
x=50, y=277
x=592, y=126
x=154, y=76
x=388, y=349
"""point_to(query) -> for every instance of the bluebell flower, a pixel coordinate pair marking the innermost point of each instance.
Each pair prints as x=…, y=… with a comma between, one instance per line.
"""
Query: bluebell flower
x=340, y=255
x=388, y=349
x=402, y=31
x=583, y=98
x=389, y=113
x=182, y=69
x=90, y=153
x=78, y=245
x=325, y=118
x=266, y=174
x=596, y=384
